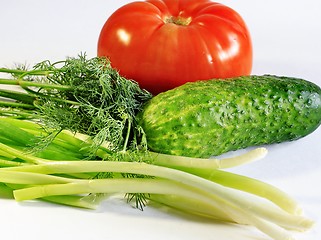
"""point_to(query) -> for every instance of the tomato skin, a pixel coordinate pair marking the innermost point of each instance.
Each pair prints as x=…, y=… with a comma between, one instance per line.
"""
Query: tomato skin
x=162, y=44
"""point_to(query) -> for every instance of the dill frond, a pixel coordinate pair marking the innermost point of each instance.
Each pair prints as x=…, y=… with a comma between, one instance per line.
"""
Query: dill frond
x=99, y=102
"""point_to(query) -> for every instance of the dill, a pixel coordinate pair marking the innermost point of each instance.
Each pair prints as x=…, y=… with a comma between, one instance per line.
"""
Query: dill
x=86, y=96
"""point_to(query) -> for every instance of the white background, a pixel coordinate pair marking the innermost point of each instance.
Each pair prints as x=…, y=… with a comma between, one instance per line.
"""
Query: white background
x=287, y=41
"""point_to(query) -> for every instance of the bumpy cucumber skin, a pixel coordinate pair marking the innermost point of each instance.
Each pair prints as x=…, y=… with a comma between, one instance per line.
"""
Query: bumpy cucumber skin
x=208, y=118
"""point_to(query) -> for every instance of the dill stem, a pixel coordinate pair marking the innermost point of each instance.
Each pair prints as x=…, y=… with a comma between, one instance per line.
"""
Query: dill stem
x=25, y=72
x=24, y=84
x=20, y=96
x=16, y=105
x=16, y=113
x=127, y=135
x=26, y=100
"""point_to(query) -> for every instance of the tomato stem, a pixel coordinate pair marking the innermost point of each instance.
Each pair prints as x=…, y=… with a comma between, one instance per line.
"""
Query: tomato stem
x=183, y=21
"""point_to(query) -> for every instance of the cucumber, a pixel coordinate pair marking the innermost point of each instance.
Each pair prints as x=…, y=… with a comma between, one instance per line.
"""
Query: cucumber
x=208, y=118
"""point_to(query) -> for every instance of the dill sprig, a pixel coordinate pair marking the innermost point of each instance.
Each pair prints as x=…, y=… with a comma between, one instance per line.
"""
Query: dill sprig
x=86, y=96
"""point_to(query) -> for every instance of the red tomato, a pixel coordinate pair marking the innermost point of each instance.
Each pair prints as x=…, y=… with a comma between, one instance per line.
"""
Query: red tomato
x=162, y=44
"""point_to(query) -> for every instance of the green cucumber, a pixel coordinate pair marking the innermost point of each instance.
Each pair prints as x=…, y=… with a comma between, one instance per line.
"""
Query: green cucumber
x=208, y=118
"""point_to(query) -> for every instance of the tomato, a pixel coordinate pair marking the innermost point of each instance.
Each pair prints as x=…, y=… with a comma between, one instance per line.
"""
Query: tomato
x=162, y=44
